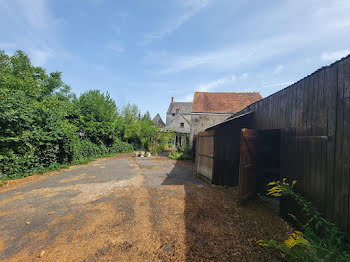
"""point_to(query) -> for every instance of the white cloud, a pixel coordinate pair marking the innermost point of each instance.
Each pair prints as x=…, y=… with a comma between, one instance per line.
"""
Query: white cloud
x=9, y=48
x=35, y=12
x=284, y=84
x=210, y=86
x=278, y=69
x=96, y=2
x=188, y=98
x=40, y=57
x=335, y=55
x=220, y=81
x=116, y=29
x=34, y=29
x=116, y=47
x=243, y=76
x=192, y=7
x=227, y=58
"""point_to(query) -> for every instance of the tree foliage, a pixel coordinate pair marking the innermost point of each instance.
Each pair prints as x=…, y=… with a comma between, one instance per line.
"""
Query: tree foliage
x=43, y=123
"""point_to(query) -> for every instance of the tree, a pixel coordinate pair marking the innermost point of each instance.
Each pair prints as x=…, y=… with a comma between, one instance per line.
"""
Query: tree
x=33, y=105
x=147, y=116
x=98, y=115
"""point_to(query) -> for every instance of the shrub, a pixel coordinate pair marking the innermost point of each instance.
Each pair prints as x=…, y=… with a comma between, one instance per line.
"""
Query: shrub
x=319, y=238
x=175, y=155
x=182, y=153
x=120, y=147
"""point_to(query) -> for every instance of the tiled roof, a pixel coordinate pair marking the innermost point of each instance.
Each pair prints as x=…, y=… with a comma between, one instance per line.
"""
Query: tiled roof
x=184, y=107
x=205, y=102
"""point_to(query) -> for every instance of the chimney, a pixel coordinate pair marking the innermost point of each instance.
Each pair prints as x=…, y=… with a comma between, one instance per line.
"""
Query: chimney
x=172, y=99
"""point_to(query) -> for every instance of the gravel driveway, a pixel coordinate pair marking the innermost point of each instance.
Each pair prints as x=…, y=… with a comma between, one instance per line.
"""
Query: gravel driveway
x=131, y=209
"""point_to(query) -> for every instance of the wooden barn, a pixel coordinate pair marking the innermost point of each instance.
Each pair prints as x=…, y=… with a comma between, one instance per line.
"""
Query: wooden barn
x=301, y=132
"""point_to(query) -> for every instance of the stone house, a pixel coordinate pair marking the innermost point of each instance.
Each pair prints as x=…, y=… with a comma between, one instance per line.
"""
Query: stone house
x=178, y=120
x=158, y=121
x=210, y=109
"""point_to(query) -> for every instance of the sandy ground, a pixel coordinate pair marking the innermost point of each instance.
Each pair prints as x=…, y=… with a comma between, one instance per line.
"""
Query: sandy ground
x=131, y=209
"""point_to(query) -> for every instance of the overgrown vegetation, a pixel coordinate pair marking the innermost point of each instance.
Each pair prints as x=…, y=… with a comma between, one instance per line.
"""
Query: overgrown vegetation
x=45, y=126
x=319, y=238
x=182, y=153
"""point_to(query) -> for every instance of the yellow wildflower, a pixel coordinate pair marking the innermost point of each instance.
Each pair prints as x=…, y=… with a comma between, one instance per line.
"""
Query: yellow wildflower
x=261, y=243
x=276, y=194
x=296, y=239
x=294, y=182
x=290, y=242
x=292, y=216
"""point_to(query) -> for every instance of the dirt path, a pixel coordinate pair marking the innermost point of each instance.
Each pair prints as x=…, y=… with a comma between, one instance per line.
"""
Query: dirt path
x=128, y=209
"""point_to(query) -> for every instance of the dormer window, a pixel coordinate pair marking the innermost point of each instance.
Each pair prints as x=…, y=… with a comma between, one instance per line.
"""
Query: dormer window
x=177, y=110
x=182, y=125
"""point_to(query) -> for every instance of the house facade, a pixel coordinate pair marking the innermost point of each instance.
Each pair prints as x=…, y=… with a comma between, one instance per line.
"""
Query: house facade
x=210, y=109
x=158, y=121
x=178, y=120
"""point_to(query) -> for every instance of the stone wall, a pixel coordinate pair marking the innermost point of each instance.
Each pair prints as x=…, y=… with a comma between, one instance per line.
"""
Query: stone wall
x=175, y=124
x=200, y=122
x=170, y=117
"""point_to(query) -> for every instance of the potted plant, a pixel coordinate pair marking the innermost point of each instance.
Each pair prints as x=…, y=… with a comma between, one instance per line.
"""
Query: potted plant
x=142, y=153
x=148, y=154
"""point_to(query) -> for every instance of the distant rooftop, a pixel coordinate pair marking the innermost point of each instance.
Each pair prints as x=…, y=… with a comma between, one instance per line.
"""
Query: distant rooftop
x=225, y=102
x=183, y=107
x=158, y=120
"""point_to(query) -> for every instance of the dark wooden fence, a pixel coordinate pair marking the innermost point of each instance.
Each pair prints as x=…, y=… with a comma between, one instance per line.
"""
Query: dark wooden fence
x=313, y=116
x=227, y=150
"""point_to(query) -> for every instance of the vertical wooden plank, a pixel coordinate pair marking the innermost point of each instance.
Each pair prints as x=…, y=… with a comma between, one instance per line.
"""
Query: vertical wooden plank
x=321, y=131
x=315, y=143
x=280, y=111
x=287, y=110
x=293, y=104
x=331, y=75
x=295, y=108
x=315, y=98
x=302, y=129
x=346, y=147
x=273, y=120
x=305, y=105
x=268, y=113
x=307, y=148
x=301, y=107
x=338, y=203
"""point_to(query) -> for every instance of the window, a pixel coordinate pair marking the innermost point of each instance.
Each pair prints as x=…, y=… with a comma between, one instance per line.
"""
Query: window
x=177, y=110
x=173, y=114
x=182, y=124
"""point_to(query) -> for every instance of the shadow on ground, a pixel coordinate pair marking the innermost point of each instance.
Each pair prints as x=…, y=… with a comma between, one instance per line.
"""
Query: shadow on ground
x=132, y=209
x=216, y=228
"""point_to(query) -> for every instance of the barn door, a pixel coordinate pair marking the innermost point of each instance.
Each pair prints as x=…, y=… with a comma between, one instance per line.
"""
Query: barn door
x=247, y=167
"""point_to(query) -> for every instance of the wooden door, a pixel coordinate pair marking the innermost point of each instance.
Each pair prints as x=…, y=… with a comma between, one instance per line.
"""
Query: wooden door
x=247, y=167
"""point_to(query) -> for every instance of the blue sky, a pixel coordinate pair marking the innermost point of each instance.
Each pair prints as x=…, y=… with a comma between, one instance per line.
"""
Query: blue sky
x=145, y=51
